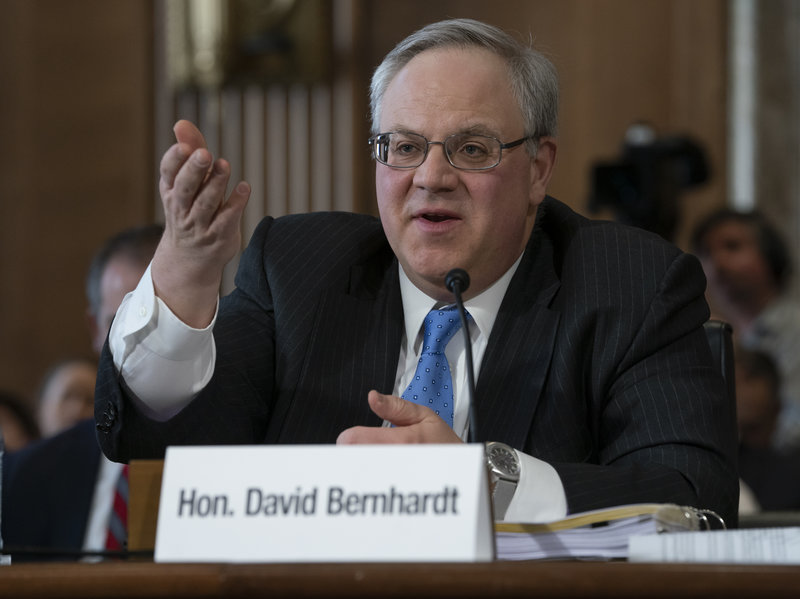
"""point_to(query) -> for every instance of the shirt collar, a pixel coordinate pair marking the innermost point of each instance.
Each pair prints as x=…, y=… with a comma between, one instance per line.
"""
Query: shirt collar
x=483, y=307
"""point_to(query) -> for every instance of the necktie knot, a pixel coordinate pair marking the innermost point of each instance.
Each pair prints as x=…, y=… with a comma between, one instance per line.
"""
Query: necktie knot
x=440, y=326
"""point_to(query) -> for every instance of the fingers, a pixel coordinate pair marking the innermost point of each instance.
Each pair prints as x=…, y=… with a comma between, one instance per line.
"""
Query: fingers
x=228, y=217
x=184, y=177
x=189, y=139
x=396, y=410
x=202, y=192
x=187, y=133
x=412, y=424
x=192, y=185
x=202, y=229
x=369, y=435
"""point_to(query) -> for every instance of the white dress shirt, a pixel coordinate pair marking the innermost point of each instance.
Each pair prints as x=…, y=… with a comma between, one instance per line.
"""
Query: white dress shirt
x=102, y=503
x=165, y=363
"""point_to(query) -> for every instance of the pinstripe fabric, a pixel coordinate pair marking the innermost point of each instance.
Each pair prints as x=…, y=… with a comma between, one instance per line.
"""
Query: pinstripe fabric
x=597, y=362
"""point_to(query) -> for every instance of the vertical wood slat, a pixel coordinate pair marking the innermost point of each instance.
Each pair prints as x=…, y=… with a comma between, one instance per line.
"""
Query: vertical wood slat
x=231, y=147
x=342, y=107
x=320, y=149
x=297, y=149
x=292, y=143
x=277, y=187
x=253, y=157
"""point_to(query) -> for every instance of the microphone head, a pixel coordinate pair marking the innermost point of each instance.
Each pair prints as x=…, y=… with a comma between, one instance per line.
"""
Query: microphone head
x=457, y=276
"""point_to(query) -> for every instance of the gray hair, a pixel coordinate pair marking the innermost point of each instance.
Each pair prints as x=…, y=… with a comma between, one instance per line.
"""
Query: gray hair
x=534, y=81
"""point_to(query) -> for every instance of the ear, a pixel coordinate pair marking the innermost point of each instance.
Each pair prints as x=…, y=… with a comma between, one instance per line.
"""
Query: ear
x=542, y=169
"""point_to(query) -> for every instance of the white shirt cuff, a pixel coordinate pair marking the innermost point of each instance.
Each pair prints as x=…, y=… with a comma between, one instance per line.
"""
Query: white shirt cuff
x=540, y=495
x=163, y=361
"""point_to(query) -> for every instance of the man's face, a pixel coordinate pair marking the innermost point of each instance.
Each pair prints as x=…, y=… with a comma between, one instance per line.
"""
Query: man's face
x=437, y=217
x=757, y=409
x=120, y=276
x=68, y=397
x=734, y=265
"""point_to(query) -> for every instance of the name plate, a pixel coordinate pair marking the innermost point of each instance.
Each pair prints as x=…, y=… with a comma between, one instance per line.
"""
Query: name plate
x=325, y=503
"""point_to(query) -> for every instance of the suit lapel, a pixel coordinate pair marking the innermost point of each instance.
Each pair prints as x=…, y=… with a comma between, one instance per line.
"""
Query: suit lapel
x=517, y=359
x=368, y=320
x=354, y=347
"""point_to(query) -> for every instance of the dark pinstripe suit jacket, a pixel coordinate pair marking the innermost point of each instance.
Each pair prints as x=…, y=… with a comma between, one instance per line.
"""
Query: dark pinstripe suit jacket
x=597, y=362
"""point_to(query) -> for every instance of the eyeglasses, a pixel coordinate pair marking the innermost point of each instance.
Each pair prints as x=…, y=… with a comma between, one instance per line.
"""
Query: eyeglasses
x=465, y=151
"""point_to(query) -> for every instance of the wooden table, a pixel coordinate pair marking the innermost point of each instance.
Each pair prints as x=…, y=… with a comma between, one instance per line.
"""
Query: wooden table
x=326, y=581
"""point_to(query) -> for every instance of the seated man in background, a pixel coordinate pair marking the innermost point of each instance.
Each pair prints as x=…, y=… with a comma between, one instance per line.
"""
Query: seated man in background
x=66, y=395
x=57, y=493
x=592, y=365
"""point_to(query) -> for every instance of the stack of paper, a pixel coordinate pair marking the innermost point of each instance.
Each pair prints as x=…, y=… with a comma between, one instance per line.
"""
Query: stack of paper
x=746, y=546
x=599, y=534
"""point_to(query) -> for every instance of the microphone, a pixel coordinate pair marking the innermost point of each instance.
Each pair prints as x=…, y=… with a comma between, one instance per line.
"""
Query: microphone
x=457, y=281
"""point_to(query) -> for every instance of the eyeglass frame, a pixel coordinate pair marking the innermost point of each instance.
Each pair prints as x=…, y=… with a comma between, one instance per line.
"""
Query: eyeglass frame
x=372, y=141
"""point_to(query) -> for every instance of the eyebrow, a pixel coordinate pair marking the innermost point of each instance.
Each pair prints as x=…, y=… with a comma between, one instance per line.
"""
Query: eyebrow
x=470, y=130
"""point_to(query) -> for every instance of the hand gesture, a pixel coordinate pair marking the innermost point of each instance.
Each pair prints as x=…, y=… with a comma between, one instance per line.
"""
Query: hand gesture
x=202, y=230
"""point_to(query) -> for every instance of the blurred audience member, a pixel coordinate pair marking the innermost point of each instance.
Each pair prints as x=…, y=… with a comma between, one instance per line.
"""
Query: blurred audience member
x=17, y=422
x=115, y=270
x=66, y=395
x=772, y=476
x=757, y=401
x=748, y=270
x=58, y=492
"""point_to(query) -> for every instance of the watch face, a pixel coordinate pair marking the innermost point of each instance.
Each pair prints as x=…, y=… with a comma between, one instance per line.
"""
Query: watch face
x=504, y=460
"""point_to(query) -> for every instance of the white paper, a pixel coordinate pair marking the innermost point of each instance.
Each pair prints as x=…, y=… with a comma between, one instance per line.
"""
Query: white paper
x=744, y=546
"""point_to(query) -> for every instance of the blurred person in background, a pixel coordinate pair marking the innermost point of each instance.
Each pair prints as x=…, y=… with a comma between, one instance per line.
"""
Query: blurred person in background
x=58, y=493
x=772, y=476
x=17, y=422
x=114, y=271
x=748, y=269
x=66, y=395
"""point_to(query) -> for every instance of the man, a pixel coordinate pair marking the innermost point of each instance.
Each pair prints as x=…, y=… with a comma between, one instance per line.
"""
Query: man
x=587, y=337
x=748, y=269
x=115, y=270
x=769, y=474
x=66, y=395
x=57, y=493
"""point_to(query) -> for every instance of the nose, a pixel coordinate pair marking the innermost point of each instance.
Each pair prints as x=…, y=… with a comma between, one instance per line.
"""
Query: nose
x=436, y=173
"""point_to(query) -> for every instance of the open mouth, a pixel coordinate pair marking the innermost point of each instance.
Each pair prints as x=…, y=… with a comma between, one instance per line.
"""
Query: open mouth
x=436, y=218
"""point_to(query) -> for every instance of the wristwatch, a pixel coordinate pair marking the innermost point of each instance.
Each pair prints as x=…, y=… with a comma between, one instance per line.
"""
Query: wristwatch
x=504, y=467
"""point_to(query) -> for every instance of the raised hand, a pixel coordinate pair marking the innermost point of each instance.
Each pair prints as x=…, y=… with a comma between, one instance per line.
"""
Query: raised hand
x=202, y=230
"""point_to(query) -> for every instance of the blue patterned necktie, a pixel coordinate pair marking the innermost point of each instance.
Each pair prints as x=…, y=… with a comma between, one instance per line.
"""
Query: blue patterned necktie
x=432, y=385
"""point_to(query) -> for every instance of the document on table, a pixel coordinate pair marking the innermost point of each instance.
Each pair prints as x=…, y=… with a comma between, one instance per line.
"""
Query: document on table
x=744, y=546
x=597, y=534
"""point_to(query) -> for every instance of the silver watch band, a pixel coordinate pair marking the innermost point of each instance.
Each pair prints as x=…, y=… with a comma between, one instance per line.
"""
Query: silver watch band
x=502, y=496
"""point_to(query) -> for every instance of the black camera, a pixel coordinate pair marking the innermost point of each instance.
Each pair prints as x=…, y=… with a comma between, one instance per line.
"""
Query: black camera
x=642, y=187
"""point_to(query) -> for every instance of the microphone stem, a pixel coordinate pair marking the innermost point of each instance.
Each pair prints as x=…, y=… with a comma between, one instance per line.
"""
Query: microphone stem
x=472, y=431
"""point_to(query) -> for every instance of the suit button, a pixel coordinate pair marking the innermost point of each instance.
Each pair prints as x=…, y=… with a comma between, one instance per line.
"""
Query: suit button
x=108, y=418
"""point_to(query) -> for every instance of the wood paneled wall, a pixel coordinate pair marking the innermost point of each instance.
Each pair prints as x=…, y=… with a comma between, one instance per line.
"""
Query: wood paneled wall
x=80, y=143
x=76, y=165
